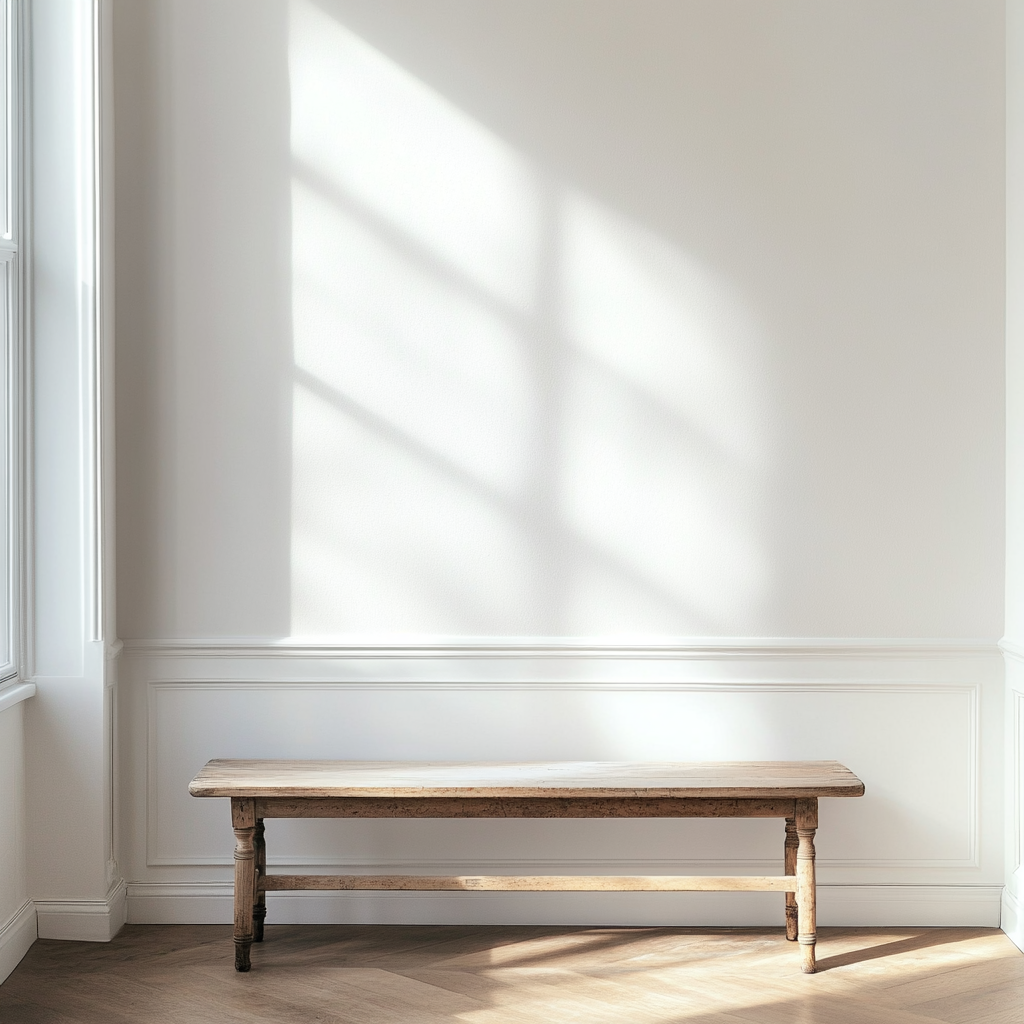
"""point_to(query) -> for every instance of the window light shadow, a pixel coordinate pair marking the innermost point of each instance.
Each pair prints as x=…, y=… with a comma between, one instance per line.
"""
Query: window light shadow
x=560, y=376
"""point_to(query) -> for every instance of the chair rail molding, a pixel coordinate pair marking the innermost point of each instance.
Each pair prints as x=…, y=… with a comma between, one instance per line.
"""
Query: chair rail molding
x=670, y=648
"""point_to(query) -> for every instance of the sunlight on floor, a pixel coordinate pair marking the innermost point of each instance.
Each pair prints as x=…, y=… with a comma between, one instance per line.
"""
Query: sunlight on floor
x=520, y=975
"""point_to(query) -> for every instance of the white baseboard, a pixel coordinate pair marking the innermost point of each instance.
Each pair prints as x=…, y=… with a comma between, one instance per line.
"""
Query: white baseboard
x=950, y=906
x=16, y=936
x=84, y=920
x=865, y=905
x=1012, y=918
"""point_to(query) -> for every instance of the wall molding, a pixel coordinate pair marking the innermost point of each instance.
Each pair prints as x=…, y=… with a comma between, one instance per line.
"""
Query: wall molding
x=84, y=920
x=1017, y=782
x=578, y=685
x=1012, y=649
x=16, y=936
x=675, y=648
x=957, y=684
x=838, y=905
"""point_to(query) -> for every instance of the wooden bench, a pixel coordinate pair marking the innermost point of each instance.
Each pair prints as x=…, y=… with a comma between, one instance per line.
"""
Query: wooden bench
x=394, y=789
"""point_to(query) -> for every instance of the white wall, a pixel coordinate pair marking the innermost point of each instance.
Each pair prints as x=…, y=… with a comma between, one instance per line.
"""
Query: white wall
x=17, y=913
x=447, y=333
x=703, y=343
x=1014, y=619
x=1013, y=911
x=14, y=887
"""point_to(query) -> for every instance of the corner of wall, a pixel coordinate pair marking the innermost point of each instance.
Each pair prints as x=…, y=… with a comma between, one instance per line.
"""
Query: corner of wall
x=16, y=936
x=1012, y=916
x=84, y=920
x=1011, y=919
x=69, y=524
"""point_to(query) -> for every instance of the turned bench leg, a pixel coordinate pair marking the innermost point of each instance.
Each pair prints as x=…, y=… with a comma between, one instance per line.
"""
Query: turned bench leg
x=259, y=908
x=791, y=845
x=806, y=824
x=243, y=820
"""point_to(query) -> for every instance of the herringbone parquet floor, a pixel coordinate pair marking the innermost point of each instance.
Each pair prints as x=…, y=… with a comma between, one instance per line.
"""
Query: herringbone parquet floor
x=429, y=975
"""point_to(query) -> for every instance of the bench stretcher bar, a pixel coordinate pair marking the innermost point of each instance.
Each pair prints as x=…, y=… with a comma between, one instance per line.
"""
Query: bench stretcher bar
x=531, y=883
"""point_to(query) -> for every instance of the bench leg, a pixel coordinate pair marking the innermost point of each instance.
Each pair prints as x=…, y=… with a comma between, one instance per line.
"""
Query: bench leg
x=806, y=825
x=259, y=908
x=243, y=820
x=791, y=845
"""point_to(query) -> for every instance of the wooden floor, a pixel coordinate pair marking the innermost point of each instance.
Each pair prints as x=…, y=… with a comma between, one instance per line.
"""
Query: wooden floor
x=427, y=975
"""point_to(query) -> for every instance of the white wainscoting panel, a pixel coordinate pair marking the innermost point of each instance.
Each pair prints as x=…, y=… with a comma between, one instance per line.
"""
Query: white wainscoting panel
x=920, y=725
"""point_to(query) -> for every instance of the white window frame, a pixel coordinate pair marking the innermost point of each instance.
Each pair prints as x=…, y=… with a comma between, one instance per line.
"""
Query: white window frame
x=12, y=348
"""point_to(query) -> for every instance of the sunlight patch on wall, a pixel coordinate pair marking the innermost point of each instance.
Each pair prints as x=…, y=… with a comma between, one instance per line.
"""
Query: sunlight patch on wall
x=661, y=442
x=393, y=147
x=399, y=345
x=516, y=413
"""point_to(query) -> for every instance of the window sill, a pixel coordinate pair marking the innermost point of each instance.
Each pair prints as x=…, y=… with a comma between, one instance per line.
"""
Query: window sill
x=15, y=693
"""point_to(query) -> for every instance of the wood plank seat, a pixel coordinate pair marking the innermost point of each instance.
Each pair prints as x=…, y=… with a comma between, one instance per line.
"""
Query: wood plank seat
x=261, y=789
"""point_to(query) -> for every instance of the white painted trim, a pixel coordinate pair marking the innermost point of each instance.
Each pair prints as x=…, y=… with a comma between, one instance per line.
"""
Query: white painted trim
x=26, y=511
x=674, y=648
x=16, y=937
x=1015, y=822
x=13, y=112
x=97, y=319
x=580, y=685
x=17, y=247
x=84, y=920
x=89, y=330
x=1012, y=649
x=15, y=694
x=105, y=424
x=867, y=905
x=1011, y=919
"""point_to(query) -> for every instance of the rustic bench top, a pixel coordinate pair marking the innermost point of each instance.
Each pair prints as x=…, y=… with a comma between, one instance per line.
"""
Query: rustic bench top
x=741, y=779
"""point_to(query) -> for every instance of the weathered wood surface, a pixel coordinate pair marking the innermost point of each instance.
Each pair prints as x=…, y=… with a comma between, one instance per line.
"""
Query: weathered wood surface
x=259, y=909
x=531, y=883
x=785, y=789
x=806, y=887
x=790, y=858
x=747, y=779
x=244, y=823
x=522, y=807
